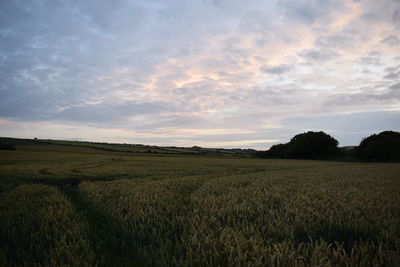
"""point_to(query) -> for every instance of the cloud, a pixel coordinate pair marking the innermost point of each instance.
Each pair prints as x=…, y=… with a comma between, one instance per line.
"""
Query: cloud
x=396, y=16
x=278, y=69
x=366, y=97
x=309, y=13
x=319, y=55
x=336, y=41
x=393, y=75
x=395, y=86
x=392, y=68
x=374, y=54
x=371, y=17
x=373, y=58
x=391, y=40
x=110, y=112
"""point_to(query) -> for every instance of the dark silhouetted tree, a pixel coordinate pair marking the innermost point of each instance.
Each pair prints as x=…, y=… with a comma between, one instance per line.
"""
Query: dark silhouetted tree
x=278, y=151
x=309, y=145
x=384, y=146
x=313, y=145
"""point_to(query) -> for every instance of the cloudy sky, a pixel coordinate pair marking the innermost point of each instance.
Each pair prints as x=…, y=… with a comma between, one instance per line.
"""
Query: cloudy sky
x=213, y=73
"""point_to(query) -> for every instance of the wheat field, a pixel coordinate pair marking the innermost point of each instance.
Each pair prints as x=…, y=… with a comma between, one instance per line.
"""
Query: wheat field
x=75, y=206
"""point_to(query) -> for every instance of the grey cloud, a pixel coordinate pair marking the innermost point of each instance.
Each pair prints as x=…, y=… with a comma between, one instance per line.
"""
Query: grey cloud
x=160, y=121
x=369, y=97
x=274, y=96
x=255, y=21
x=279, y=69
x=396, y=16
x=392, y=69
x=371, y=17
x=391, y=40
x=373, y=58
x=215, y=64
x=366, y=71
x=393, y=75
x=308, y=12
x=395, y=86
x=319, y=55
x=110, y=112
x=300, y=11
x=55, y=51
x=169, y=79
x=336, y=41
x=374, y=53
x=261, y=42
x=32, y=94
x=371, y=61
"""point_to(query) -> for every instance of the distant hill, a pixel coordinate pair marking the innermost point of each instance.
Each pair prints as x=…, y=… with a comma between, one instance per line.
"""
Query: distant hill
x=131, y=148
x=17, y=141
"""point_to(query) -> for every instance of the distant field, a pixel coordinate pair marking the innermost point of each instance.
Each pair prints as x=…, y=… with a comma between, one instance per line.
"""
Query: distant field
x=79, y=206
x=132, y=148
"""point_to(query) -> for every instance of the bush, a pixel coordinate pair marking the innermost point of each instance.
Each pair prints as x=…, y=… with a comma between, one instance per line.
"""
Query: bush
x=384, y=146
x=310, y=145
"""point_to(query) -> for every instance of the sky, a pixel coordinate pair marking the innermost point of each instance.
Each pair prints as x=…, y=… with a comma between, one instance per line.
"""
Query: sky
x=211, y=73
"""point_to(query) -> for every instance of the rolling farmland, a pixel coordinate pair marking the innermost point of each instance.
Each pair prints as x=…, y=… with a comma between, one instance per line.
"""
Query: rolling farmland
x=78, y=206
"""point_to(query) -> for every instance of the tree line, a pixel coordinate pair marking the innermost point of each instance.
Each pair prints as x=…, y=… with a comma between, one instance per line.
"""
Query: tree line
x=384, y=146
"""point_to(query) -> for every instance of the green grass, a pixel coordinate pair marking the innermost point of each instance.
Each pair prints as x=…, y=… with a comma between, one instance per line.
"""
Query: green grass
x=84, y=207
